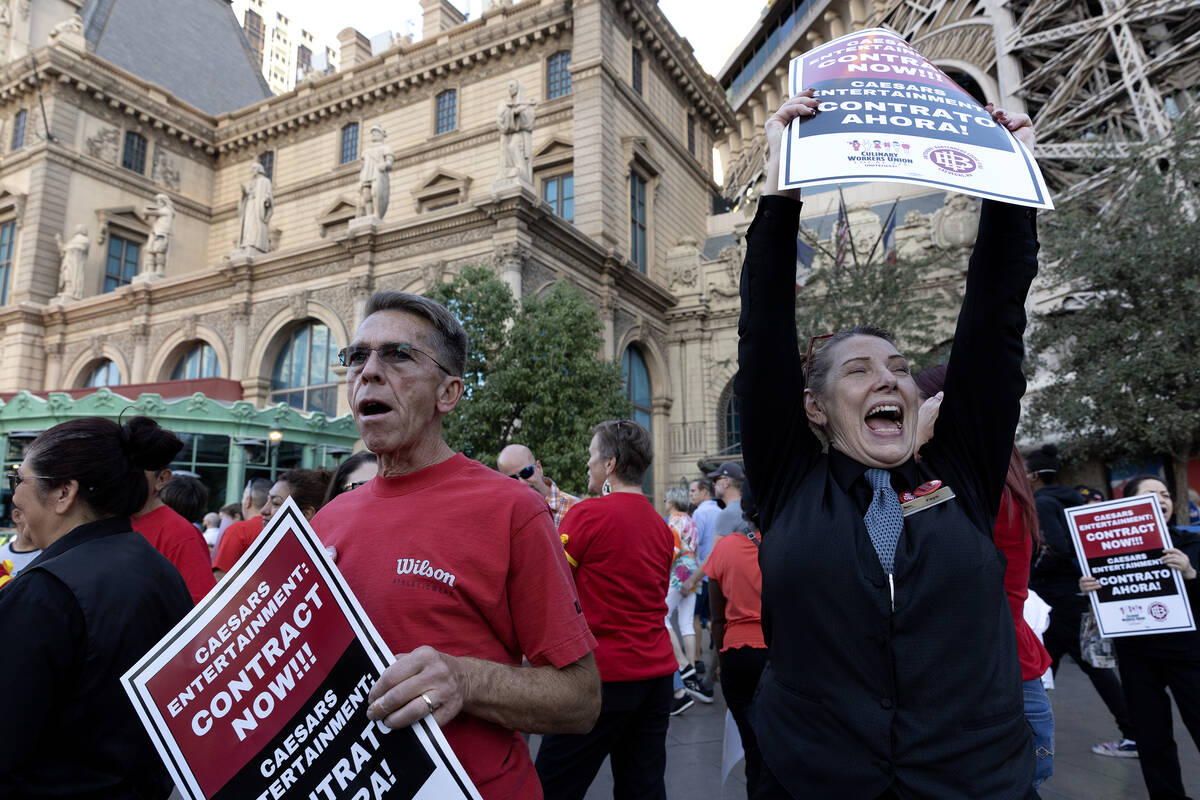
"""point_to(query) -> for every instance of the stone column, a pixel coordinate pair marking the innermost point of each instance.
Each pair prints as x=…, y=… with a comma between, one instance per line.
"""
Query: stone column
x=241, y=340
x=836, y=26
x=141, y=339
x=510, y=262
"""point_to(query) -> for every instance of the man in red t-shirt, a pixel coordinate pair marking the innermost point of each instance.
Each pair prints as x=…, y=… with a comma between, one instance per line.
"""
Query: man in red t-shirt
x=459, y=567
x=174, y=537
x=240, y=535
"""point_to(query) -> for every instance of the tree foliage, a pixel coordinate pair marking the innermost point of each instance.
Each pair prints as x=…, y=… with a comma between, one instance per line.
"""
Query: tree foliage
x=868, y=290
x=538, y=381
x=1119, y=372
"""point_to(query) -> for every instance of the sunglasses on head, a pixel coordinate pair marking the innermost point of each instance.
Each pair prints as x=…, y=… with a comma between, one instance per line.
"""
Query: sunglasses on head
x=524, y=474
x=394, y=354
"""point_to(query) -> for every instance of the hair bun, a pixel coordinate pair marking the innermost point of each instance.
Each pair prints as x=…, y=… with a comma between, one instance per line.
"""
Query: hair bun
x=149, y=446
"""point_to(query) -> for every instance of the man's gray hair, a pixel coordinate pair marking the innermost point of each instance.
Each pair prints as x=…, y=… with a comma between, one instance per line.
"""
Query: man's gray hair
x=449, y=339
x=678, y=497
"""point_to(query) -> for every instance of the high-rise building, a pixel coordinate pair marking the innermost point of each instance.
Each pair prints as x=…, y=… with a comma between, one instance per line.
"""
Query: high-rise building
x=287, y=50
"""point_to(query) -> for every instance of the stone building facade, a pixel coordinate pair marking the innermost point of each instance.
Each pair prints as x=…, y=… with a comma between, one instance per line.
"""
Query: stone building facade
x=618, y=205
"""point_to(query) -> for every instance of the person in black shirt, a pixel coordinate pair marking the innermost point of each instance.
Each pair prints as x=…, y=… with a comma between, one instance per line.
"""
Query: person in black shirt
x=1151, y=664
x=893, y=665
x=82, y=613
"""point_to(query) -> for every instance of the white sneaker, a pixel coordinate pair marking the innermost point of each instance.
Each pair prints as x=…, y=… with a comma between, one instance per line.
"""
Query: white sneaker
x=1120, y=748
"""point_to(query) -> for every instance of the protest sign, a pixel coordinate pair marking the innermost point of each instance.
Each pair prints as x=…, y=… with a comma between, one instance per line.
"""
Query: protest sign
x=1120, y=543
x=260, y=693
x=888, y=114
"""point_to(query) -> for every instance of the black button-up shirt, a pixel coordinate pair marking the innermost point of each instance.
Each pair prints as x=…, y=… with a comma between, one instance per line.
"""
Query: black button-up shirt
x=72, y=623
x=920, y=693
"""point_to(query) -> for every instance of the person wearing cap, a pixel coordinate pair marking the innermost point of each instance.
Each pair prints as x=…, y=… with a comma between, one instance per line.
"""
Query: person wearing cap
x=892, y=669
x=727, y=479
x=1055, y=578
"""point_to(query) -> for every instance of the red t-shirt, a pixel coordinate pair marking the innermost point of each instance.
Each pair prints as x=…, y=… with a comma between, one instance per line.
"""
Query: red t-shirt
x=1013, y=540
x=181, y=544
x=622, y=550
x=733, y=564
x=465, y=560
x=235, y=541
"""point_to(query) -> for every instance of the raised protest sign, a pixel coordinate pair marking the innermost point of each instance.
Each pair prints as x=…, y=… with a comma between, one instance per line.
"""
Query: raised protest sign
x=1120, y=543
x=260, y=693
x=888, y=114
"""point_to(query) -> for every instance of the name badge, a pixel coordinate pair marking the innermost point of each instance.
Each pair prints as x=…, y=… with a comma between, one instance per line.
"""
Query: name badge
x=926, y=496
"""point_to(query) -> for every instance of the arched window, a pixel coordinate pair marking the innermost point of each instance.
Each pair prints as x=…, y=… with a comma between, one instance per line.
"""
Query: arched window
x=103, y=373
x=303, y=375
x=200, y=361
x=730, y=413
x=637, y=389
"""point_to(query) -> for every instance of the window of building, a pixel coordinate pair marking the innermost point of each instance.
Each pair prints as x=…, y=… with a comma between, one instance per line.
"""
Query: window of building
x=18, y=137
x=267, y=160
x=206, y=456
x=559, y=192
x=447, y=111
x=349, y=143
x=200, y=361
x=636, y=79
x=105, y=373
x=121, y=263
x=256, y=32
x=558, y=75
x=303, y=375
x=691, y=134
x=303, y=60
x=8, y=235
x=730, y=414
x=637, y=389
x=637, y=221
x=134, y=155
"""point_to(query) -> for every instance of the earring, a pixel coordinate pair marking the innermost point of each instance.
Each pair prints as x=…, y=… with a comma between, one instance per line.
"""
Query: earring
x=606, y=489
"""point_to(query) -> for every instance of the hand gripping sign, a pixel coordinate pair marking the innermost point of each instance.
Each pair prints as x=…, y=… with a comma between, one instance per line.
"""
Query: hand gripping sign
x=260, y=693
x=887, y=114
x=1120, y=543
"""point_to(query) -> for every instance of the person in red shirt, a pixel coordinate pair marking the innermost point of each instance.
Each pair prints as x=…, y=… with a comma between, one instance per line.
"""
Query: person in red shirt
x=735, y=597
x=172, y=535
x=238, y=537
x=458, y=566
x=621, y=551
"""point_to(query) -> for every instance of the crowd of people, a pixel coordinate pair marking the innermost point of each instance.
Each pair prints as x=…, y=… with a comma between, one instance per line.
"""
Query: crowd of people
x=861, y=576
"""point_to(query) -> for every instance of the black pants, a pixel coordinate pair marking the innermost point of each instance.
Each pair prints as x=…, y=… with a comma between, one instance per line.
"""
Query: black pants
x=1146, y=679
x=770, y=789
x=741, y=667
x=632, y=729
x=1062, y=638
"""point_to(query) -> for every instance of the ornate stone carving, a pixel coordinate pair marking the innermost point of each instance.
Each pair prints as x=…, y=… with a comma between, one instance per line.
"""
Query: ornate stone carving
x=163, y=214
x=683, y=264
x=255, y=208
x=104, y=144
x=98, y=345
x=956, y=223
x=374, y=179
x=432, y=272
x=298, y=303
x=189, y=327
x=515, y=120
x=164, y=170
x=74, y=254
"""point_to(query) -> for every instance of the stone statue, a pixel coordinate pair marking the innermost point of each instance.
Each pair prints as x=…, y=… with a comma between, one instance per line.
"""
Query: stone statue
x=516, y=134
x=163, y=214
x=255, y=209
x=374, y=181
x=74, y=253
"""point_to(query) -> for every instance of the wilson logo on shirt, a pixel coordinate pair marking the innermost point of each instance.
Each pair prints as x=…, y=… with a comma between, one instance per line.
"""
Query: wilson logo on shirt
x=417, y=567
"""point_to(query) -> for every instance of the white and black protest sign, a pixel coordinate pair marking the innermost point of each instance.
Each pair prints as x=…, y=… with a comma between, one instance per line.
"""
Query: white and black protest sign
x=1120, y=543
x=260, y=693
x=888, y=114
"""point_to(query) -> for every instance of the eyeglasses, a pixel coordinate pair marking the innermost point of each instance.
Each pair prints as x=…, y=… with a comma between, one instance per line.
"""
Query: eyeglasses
x=15, y=479
x=394, y=354
x=524, y=474
x=815, y=344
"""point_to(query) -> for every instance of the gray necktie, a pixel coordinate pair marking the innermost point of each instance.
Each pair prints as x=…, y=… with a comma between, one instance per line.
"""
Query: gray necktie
x=883, y=519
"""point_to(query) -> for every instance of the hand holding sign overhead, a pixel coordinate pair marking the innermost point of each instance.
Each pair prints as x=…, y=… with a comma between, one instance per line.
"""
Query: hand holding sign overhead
x=886, y=113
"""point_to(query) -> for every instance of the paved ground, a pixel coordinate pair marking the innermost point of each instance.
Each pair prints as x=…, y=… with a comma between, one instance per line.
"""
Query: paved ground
x=694, y=753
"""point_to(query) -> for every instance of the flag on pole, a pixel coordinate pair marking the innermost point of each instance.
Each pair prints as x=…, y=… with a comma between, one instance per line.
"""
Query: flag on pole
x=889, y=238
x=841, y=234
x=804, y=259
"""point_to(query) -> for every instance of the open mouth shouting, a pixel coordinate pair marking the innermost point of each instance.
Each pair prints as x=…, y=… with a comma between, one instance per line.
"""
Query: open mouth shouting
x=371, y=408
x=885, y=418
